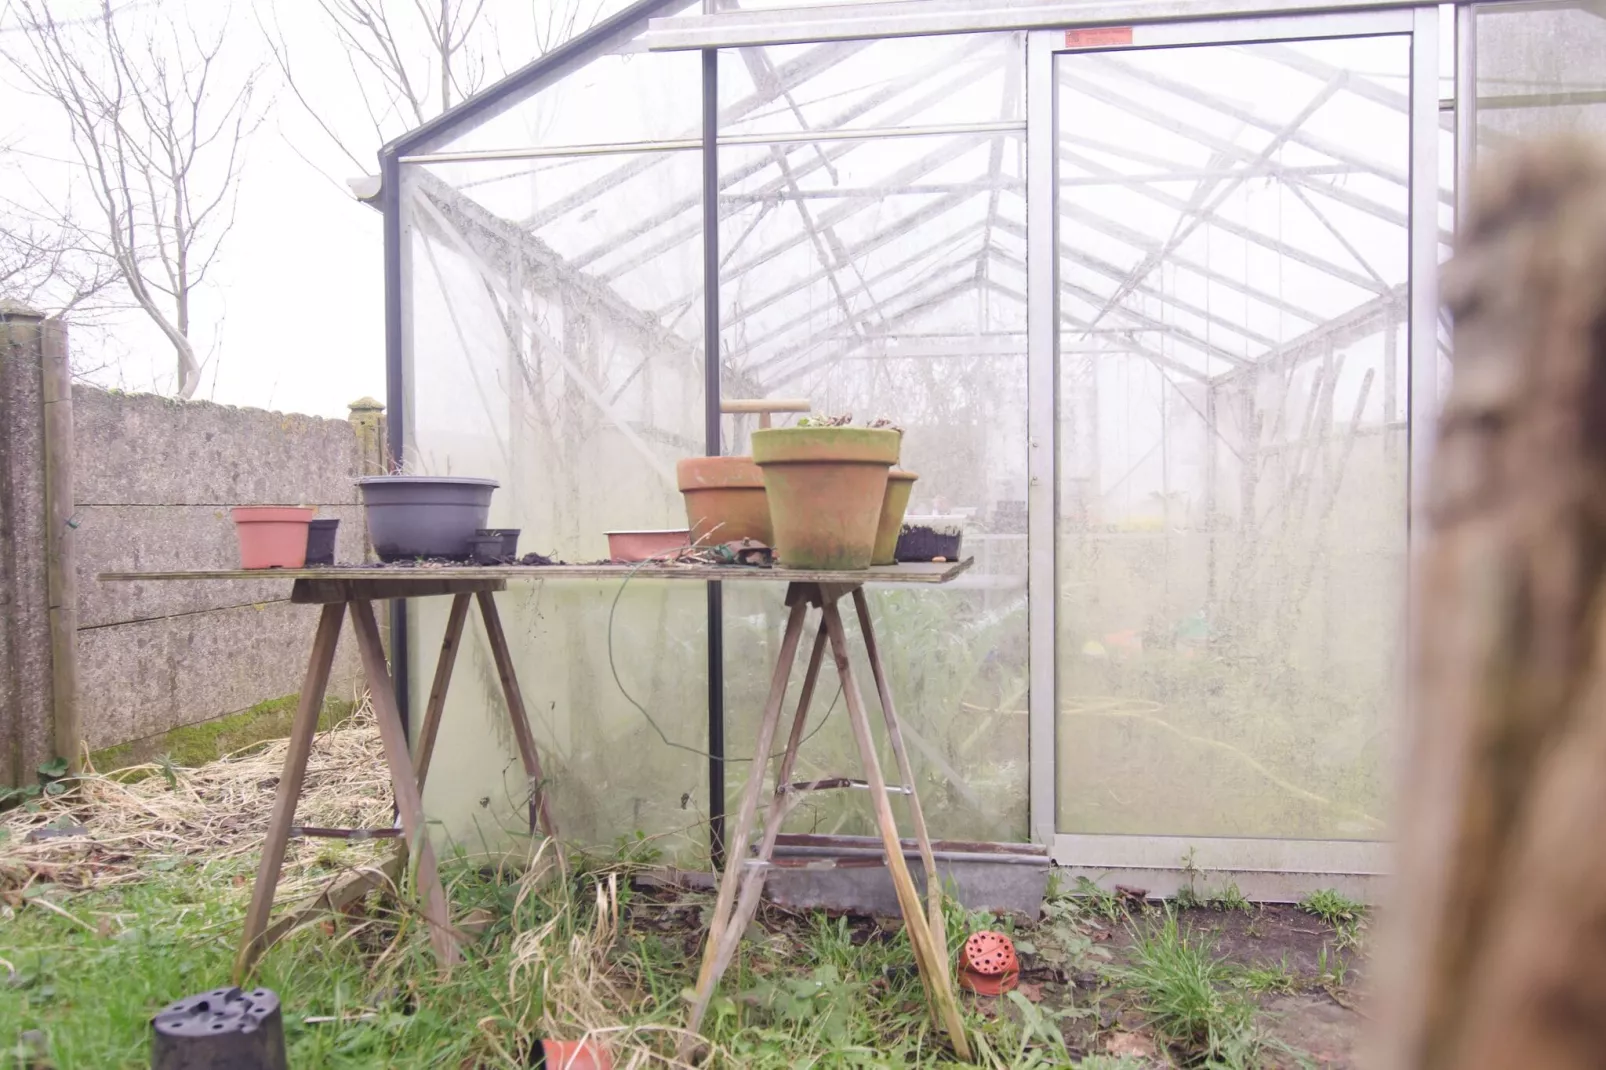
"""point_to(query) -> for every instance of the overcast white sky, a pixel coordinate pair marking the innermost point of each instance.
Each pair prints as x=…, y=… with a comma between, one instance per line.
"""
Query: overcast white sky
x=292, y=319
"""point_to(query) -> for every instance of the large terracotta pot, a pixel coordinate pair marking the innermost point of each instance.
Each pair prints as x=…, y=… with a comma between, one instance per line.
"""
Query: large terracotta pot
x=272, y=536
x=825, y=487
x=894, y=504
x=725, y=499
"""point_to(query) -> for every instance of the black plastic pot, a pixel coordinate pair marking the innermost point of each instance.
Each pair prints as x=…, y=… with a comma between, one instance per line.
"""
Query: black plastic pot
x=509, y=537
x=928, y=541
x=224, y=1027
x=485, y=549
x=425, y=516
x=321, y=542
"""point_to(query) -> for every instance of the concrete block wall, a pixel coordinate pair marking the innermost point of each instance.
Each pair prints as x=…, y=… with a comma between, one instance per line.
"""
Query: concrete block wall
x=154, y=482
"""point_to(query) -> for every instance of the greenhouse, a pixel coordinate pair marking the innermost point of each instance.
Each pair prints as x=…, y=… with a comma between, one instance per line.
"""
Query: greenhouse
x=1150, y=285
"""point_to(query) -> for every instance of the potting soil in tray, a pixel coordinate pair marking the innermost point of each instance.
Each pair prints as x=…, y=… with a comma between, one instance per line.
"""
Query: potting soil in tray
x=921, y=543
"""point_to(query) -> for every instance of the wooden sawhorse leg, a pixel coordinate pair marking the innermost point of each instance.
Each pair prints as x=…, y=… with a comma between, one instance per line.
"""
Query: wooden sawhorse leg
x=302, y=729
x=742, y=882
x=408, y=772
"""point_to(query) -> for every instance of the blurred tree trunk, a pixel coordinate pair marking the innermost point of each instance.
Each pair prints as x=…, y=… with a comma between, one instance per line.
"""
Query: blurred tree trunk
x=1495, y=953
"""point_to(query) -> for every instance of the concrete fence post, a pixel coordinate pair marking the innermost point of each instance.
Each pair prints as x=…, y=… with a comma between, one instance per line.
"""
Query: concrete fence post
x=61, y=544
x=368, y=421
x=27, y=705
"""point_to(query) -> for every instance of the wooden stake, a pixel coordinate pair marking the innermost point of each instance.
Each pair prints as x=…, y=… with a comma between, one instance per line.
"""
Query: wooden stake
x=404, y=781
x=302, y=731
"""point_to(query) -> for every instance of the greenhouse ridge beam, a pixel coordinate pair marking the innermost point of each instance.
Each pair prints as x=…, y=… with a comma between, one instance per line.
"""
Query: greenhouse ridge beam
x=732, y=29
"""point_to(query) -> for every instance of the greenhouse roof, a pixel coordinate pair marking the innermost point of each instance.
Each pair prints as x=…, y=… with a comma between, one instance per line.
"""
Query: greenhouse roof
x=880, y=183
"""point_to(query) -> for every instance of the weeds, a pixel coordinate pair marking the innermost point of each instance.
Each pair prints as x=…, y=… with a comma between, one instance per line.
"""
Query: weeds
x=1345, y=915
x=1332, y=906
x=1186, y=992
x=1268, y=980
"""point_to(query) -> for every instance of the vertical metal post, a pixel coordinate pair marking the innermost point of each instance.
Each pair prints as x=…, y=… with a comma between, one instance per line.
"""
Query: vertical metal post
x=1466, y=102
x=1042, y=499
x=713, y=446
x=1423, y=403
x=395, y=401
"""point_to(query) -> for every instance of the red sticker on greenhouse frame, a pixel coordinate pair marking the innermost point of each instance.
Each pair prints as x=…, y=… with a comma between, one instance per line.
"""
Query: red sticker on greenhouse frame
x=1098, y=37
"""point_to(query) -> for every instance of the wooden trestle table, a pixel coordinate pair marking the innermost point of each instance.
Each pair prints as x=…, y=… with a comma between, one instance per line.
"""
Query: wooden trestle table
x=343, y=590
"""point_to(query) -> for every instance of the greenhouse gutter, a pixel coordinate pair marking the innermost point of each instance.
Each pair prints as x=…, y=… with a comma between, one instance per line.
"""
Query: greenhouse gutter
x=734, y=29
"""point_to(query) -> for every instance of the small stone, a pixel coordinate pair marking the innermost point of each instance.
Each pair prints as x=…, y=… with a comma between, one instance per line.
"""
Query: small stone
x=940, y=560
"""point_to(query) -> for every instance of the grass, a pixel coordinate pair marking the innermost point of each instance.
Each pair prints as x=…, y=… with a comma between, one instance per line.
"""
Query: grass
x=1186, y=991
x=557, y=957
x=100, y=933
x=1267, y=980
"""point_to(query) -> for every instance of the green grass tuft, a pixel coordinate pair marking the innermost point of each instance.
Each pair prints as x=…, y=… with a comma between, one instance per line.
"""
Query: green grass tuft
x=1184, y=989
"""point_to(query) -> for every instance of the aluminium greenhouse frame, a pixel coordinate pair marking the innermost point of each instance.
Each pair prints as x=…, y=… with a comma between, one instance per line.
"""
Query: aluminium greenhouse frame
x=1268, y=868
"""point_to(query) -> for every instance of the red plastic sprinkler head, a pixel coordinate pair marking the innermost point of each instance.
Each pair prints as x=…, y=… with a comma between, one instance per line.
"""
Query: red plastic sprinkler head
x=988, y=964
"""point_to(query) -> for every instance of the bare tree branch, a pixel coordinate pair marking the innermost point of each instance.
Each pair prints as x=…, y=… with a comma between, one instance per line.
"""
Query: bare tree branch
x=411, y=62
x=158, y=142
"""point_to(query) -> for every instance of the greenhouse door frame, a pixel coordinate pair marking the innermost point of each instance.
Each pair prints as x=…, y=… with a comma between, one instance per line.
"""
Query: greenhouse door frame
x=1263, y=868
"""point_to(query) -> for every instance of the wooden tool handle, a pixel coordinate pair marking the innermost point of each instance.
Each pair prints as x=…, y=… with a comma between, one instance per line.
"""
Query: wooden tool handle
x=765, y=406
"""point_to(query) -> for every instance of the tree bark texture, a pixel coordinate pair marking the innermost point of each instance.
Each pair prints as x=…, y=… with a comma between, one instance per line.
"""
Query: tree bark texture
x=1494, y=954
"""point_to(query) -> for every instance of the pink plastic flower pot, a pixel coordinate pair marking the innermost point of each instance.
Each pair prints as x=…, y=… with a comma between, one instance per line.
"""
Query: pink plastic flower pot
x=576, y=1055
x=272, y=536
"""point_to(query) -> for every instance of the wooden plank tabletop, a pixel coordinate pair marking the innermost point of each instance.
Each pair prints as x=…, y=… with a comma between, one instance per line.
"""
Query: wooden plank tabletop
x=933, y=572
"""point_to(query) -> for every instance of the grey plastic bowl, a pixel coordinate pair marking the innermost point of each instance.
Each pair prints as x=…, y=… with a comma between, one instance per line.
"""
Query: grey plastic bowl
x=424, y=516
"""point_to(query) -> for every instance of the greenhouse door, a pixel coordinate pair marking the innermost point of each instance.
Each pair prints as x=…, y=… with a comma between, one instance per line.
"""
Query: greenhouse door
x=1231, y=317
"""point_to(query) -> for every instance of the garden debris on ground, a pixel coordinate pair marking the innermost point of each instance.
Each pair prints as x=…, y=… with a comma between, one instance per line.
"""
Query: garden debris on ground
x=143, y=876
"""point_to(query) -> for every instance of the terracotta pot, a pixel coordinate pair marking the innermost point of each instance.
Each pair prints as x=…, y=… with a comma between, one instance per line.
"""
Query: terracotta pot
x=894, y=504
x=272, y=536
x=725, y=499
x=576, y=1055
x=825, y=487
x=641, y=545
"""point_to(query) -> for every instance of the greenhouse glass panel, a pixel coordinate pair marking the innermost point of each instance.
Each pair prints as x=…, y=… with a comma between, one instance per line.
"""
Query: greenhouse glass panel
x=885, y=277
x=628, y=96
x=1540, y=70
x=887, y=84
x=1233, y=269
x=562, y=384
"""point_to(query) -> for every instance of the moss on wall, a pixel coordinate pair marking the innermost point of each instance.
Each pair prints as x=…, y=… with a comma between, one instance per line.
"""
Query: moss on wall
x=197, y=744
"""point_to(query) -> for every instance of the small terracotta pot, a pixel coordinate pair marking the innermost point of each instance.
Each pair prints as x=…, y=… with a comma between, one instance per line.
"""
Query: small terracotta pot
x=641, y=545
x=725, y=499
x=576, y=1055
x=272, y=536
x=825, y=488
x=894, y=504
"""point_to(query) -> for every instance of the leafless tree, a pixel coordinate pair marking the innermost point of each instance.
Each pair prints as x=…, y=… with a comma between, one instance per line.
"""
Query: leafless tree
x=408, y=62
x=158, y=119
x=45, y=260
